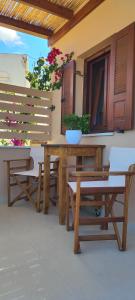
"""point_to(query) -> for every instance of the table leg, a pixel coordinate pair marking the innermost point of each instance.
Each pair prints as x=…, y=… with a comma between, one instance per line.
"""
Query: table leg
x=79, y=161
x=98, y=159
x=62, y=190
x=46, y=188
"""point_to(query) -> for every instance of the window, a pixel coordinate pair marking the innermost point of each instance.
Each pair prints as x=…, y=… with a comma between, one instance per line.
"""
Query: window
x=109, y=83
x=97, y=87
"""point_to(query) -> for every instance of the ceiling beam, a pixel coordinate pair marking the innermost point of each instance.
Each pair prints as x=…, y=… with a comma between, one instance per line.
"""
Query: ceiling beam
x=25, y=27
x=49, y=7
x=82, y=13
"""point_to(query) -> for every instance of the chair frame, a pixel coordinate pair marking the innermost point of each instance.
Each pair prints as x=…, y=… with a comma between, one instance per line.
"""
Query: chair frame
x=11, y=169
x=110, y=195
x=26, y=185
x=54, y=182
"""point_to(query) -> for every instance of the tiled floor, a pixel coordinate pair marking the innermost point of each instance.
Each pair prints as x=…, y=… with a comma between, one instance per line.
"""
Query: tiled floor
x=37, y=262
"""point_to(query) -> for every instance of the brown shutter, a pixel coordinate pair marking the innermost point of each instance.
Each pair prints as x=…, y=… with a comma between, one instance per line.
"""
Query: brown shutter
x=68, y=91
x=120, y=110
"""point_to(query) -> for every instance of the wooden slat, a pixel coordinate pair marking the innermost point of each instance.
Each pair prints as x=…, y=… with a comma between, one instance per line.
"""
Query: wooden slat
x=26, y=91
x=97, y=237
x=97, y=203
x=34, y=121
x=25, y=136
x=100, y=220
x=25, y=27
x=18, y=168
x=82, y=13
x=24, y=118
x=22, y=182
x=27, y=127
x=90, y=174
x=50, y=7
x=23, y=109
x=25, y=100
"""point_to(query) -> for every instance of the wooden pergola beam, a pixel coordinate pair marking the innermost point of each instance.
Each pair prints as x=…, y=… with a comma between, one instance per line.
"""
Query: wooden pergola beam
x=50, y=7
x=81, y=14
x=25, y=27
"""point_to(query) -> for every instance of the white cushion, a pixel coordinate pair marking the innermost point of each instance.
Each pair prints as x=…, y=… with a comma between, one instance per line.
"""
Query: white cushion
x=37, y=153
x=121, y=158
x=114, y=181
x=31, y=173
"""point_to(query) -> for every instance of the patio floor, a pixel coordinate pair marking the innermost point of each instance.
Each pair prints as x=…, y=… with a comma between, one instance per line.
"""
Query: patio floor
x=37, y=262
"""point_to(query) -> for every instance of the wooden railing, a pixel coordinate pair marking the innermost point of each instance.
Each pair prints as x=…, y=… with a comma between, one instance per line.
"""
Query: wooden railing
x=24, y=113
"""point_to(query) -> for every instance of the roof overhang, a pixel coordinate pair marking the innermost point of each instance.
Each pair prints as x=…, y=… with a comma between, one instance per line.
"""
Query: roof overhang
x=47, y=19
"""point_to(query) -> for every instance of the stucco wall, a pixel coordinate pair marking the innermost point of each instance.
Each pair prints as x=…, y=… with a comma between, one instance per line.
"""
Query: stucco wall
x=110, y=17
x=13, y=69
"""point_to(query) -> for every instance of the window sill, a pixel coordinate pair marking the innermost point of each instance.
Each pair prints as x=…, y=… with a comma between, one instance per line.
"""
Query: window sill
x=98, y=134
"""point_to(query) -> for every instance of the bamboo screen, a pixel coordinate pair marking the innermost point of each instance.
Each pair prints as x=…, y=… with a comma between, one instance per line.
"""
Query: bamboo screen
x=19, y=11
x=24, y=113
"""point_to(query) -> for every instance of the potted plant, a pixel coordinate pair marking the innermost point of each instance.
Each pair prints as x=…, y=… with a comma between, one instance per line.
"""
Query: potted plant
x=75, y=127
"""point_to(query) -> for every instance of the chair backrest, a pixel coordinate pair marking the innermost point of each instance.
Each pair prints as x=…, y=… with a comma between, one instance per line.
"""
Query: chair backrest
x=37, y=153
x=121, y=158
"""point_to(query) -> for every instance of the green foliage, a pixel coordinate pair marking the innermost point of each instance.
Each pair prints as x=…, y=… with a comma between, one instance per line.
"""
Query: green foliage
x=41, y=76
x=85, y=123
x=47, y=74
x=71, y=121
x=4, y=142
x=74, y=122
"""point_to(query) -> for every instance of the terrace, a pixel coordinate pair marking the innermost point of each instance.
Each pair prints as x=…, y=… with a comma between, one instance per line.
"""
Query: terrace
x=36, y=257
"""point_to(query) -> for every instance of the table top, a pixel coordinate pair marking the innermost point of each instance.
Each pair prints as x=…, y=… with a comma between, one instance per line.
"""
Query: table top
x=72, y=145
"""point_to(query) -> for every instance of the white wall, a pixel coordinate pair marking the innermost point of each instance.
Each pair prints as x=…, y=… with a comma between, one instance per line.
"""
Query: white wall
x=13, y=68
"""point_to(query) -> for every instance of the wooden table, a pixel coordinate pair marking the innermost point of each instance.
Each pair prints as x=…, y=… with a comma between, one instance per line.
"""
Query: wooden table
x=64, y=151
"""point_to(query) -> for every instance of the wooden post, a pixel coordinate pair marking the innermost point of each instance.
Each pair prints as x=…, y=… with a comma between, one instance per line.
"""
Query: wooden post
x=124, y=230
x=76, y=219
x=46, y=185
x=62, y=190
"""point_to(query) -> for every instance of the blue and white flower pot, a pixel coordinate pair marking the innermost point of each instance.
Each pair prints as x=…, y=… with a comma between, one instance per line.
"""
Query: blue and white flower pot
x=73, y=136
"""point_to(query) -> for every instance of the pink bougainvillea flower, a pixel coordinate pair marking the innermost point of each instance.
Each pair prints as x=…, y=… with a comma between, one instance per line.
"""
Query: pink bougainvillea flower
x=10, y=122
x=17, y=142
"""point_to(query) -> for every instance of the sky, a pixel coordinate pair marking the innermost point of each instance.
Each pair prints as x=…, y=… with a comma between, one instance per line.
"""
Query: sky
x=12, y=41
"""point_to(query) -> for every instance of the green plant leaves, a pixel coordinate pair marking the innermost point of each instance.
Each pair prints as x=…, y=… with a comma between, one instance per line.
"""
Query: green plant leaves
x=74, y=122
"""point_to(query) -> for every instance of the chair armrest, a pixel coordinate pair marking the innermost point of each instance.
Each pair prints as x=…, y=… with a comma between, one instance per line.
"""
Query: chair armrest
x=104, y=168
x=17, y=159
x=12, y=167
x=78, y=166
x=121, y=173
x=52, y=161
x=102, y=173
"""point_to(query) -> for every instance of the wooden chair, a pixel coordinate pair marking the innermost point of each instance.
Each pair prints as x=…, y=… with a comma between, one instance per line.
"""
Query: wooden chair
x=117, y=181
x=27, y=173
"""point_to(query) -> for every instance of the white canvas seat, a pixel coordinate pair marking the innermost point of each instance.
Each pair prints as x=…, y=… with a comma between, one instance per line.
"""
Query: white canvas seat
x=121, y=171
x=37, y=155
x=31, y=173
x=114, y=182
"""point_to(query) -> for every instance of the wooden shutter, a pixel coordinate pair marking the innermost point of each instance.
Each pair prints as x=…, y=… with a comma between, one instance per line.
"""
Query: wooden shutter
x=68, y=91
x=120, y=110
